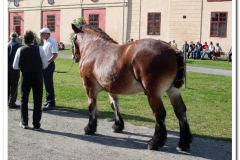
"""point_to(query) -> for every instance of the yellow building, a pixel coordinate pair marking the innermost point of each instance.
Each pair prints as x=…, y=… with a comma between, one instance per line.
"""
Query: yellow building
x=188, y=20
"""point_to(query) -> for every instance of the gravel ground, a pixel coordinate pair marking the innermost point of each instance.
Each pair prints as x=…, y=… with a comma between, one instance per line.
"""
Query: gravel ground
x=61, y=138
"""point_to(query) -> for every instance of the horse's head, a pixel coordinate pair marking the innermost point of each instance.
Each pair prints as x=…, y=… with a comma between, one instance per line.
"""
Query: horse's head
x=76, y=44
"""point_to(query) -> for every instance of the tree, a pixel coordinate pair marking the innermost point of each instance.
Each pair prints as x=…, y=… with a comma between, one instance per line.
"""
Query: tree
x=78, y=22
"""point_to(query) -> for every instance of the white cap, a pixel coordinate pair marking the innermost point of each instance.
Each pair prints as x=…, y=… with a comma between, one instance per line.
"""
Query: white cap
x=44, y=30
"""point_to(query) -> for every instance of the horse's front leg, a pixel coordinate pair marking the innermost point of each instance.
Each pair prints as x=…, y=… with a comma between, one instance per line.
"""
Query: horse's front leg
x=118, y=126
x=93, y=112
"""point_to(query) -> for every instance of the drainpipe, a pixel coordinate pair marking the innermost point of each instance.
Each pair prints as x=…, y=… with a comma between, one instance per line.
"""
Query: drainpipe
x=139, y=34
x=201, y=22
x=123, y=24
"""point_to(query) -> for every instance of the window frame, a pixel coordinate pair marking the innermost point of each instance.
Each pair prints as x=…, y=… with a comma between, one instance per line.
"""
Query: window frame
x=93, y=20
x=50, y=23
x=16, y=3
x=218, y=22
x=153, y=22
x=17, y=20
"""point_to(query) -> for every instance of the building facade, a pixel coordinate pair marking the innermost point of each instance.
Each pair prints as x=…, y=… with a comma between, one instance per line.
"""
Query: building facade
x=188, y=20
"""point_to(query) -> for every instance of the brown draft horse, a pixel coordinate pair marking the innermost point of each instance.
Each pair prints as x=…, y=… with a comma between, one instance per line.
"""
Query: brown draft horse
x=148, y=65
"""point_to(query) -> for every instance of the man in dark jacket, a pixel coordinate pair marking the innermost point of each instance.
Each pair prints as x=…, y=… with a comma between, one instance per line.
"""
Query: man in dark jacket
x=185, y=48
x=13, y=75
x=31, y=59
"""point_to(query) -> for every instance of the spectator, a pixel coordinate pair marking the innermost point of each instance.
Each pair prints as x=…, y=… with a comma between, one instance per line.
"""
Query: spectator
x=198, y=50
x=61, y=46
x=13, y=75
x=50, y=48
x=230, y=55
x=185, y=48
x=174, y=43
x=209, y=51
x=194, y=51
x=30, y=59
x=217, y=51
x=205, y=48
x=191, y=49
x=130, y=40
x=170, y=43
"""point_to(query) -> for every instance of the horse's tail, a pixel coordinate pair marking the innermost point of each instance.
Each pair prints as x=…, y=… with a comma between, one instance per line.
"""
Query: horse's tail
x=179, y=79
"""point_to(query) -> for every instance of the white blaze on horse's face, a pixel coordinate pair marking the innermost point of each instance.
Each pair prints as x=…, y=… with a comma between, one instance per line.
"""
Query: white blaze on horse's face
x=76, y=51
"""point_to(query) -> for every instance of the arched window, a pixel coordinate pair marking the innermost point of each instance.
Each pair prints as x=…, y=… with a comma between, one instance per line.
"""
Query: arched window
x=50, y=1
x=16, y=3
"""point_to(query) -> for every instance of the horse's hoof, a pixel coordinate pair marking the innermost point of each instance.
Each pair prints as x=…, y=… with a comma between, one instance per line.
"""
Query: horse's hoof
x=89, y=131
x=183, y=147
x=117, y=128
x=152, y=145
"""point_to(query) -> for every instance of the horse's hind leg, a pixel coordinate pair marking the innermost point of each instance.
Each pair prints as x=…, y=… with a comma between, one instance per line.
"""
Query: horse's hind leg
x=160, y=134
x=118, y=126
x=180, y=111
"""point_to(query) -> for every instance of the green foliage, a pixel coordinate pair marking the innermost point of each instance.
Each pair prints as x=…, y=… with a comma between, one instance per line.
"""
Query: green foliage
x=78, y=22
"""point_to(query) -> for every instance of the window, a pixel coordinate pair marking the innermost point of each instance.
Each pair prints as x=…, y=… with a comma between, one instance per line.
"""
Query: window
x=50, y=1
x=218, y=24
x=154, y=21
x=51, y=23
x=16, y=3
x=17, y=21
x=217, y=0
x=94, y=19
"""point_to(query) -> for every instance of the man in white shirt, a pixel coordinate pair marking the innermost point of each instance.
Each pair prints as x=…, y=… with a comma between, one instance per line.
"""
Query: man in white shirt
x=31, y=60
x=50, y=48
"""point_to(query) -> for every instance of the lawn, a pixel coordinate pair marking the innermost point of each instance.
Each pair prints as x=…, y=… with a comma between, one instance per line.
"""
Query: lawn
x=208, y=99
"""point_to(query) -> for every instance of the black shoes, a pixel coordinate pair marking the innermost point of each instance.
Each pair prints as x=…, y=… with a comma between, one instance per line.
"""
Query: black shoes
x=14, y=106
x=47, y=107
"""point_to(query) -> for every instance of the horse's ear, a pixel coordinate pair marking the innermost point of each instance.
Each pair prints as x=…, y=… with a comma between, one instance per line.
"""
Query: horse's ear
x=76, y=29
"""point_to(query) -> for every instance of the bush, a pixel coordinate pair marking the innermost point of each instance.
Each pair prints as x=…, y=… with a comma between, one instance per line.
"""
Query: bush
x=78, y=22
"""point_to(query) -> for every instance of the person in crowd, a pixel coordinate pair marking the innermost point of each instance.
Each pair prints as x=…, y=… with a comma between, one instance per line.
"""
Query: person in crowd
x=13, y=75
x=217, y=51
x=204, y=50
x=185, y=48
x=198, y=50
x=61, y=46
x=31, y=60
x=205, y=47
x=230, y=55
x=50, y=48
x=190, y=49
x=209, y=52
x=130, y=40
x=194, y=51
x=174, y=43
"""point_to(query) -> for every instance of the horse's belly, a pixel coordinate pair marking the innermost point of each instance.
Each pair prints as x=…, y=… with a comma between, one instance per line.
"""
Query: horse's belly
x=133, y=88
x=125, y=88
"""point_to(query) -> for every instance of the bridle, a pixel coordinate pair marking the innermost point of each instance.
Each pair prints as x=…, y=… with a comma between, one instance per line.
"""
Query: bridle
x=74, y=46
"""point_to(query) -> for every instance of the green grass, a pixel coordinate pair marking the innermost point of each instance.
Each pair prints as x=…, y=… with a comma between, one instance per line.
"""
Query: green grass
x=67, y=51
x=208, y=99
x=207, y=63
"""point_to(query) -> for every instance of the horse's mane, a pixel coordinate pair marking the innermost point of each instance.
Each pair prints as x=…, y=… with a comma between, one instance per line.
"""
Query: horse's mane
x=101, y=32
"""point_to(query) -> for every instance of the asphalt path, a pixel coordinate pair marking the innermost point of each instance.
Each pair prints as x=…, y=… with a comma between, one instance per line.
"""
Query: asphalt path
x=62, y=138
